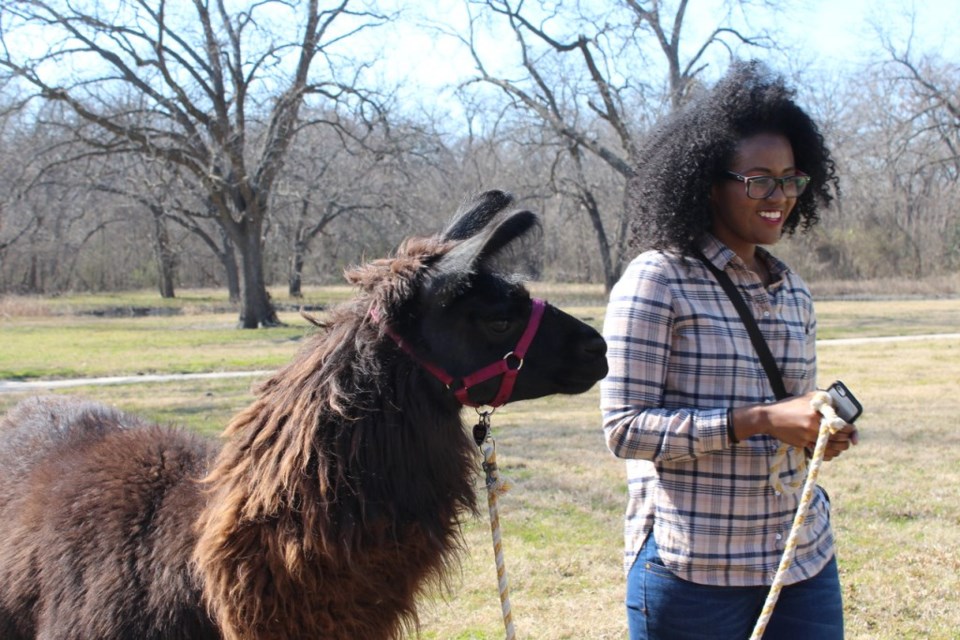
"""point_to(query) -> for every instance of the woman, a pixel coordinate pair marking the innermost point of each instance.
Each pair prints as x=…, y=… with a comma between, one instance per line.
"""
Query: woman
x=688, y=404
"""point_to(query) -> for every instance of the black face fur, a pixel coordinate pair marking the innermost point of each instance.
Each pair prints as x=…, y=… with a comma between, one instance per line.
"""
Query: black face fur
x=471, y=310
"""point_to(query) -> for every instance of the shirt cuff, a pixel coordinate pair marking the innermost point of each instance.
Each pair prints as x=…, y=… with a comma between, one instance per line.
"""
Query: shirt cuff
x=712, y=430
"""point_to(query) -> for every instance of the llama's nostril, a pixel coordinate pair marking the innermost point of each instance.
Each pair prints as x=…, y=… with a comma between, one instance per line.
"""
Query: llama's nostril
x=594, y=347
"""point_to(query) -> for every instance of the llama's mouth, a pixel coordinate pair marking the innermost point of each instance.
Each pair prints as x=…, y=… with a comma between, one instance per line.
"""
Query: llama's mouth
x=574, y=388
x=583, y=380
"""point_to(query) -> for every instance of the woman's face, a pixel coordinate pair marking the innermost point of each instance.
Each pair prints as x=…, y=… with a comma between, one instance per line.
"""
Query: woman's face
x=741, y=222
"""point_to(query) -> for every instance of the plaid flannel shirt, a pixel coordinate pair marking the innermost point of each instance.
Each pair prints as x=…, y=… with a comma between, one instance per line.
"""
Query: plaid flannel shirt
x=679, y=358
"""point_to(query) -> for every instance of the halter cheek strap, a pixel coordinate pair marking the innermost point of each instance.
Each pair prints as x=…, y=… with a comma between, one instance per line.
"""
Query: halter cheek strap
x=508, y=366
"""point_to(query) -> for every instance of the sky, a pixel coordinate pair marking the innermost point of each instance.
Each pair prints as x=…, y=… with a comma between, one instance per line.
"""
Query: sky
x=821, y=34
x=824, y=34
x=845, y=30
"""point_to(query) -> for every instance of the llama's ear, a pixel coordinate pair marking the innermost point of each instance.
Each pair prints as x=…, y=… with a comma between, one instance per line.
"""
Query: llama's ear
x=489, y=249
x=475, y=214
x=506, y=232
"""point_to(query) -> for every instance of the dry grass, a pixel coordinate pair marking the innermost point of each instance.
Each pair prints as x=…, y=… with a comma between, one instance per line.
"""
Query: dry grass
x=24, y=307
x=873, y=318
x=896, y=510
x=947, y=285
x=561, y=526
x=896, y=497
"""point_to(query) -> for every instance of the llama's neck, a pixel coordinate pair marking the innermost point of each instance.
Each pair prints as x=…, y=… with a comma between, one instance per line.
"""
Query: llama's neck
x=327, y=482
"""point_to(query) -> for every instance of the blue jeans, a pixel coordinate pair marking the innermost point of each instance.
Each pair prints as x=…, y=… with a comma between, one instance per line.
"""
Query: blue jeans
x=661, y=606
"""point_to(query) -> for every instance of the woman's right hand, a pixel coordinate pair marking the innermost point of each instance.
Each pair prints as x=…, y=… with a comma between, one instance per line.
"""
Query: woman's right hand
x=793, y=421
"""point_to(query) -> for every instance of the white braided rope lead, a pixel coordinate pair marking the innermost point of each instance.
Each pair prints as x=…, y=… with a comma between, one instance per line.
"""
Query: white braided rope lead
x=830, y=423
x=495, y=488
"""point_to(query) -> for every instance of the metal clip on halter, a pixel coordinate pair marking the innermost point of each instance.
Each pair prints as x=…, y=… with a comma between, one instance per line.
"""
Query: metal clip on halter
x=481, y=430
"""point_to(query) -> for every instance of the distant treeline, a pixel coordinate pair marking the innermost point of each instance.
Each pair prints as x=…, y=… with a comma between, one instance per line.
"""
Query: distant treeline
x=174, y=163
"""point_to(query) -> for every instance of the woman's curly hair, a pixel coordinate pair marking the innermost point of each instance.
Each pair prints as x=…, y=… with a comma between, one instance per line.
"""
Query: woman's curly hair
x=683, y=158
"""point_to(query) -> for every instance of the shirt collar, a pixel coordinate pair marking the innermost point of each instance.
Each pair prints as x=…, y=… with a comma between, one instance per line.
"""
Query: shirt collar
x=721, y=255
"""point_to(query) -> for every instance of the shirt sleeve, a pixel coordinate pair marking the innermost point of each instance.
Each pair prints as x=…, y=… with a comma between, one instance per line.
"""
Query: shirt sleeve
x=811, y=346
x=638, y=327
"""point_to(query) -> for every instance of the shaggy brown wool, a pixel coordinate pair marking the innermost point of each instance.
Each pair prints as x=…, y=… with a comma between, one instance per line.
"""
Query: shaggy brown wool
x=293, y=507
x=96, y=523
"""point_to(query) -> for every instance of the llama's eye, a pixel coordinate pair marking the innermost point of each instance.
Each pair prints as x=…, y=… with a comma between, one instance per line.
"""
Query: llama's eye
x=499, y=325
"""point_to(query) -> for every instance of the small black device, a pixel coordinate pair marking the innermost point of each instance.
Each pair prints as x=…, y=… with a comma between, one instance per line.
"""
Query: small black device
x=844, y=402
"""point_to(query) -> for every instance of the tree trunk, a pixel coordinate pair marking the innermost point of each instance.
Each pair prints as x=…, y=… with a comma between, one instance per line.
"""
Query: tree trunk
x=611, y=265
x=256, y=309
x=589, y=203
x=295, y=278
x=166, y=258
x=228, y=258
x=31, y=280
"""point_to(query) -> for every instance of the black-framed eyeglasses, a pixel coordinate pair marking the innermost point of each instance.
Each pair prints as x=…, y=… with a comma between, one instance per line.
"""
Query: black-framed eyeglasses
x=761, y=187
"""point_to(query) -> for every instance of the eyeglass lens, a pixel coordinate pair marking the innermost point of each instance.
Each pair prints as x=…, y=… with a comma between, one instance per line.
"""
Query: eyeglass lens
x=760, y=187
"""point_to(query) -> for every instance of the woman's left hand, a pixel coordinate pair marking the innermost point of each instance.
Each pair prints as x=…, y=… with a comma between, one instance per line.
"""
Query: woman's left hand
x=841, y=441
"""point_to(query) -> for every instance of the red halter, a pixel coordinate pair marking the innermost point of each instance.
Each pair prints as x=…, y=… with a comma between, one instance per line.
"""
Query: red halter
x=508, y=366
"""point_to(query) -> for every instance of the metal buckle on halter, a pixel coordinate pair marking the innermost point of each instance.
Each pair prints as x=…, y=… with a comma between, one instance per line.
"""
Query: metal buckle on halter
x=517, y=358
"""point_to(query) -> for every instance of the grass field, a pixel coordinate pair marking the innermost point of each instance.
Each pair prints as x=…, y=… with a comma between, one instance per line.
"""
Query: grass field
x=896, y=496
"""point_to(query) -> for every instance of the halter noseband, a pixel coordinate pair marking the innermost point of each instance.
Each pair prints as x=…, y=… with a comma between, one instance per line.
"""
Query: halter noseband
x=508, y=366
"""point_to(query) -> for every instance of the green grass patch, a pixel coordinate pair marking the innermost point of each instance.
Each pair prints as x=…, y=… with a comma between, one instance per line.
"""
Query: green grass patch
x=81, y=346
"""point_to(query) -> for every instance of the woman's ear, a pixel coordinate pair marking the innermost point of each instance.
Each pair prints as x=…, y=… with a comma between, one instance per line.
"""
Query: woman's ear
x=714, y=196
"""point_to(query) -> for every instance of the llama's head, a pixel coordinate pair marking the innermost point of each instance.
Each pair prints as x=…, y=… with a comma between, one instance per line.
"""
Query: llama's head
x=456, y=305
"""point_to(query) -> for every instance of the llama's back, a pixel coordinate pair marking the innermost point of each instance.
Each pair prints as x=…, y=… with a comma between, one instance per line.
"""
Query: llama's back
x=96, y=525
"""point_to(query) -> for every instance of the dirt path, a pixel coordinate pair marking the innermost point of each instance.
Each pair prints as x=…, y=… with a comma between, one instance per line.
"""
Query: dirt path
x=928, y=336
x=11, y=386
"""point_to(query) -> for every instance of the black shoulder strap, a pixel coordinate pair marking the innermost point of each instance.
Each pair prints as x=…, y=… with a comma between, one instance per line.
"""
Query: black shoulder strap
x=763, y=351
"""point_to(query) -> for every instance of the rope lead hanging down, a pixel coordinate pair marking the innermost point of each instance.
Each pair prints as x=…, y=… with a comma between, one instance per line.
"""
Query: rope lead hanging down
x=495, y=487
x=829, y=425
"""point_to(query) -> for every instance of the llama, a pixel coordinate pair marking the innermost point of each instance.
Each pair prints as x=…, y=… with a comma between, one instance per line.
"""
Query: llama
x=337, y=495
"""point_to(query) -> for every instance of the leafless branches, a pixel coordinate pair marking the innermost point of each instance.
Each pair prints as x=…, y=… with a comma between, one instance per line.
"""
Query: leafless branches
x=215, y=93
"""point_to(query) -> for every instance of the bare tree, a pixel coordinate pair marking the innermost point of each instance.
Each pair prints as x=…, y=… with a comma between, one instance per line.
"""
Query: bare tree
x=584, y=77
x=17, y=170
x=933, y=91
x=140, y=186
x=216, y=92
x=362, y=180
x=896, y=211
x=923, y=155
x=42, y=216
x=200, y=219
x=902, y=166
